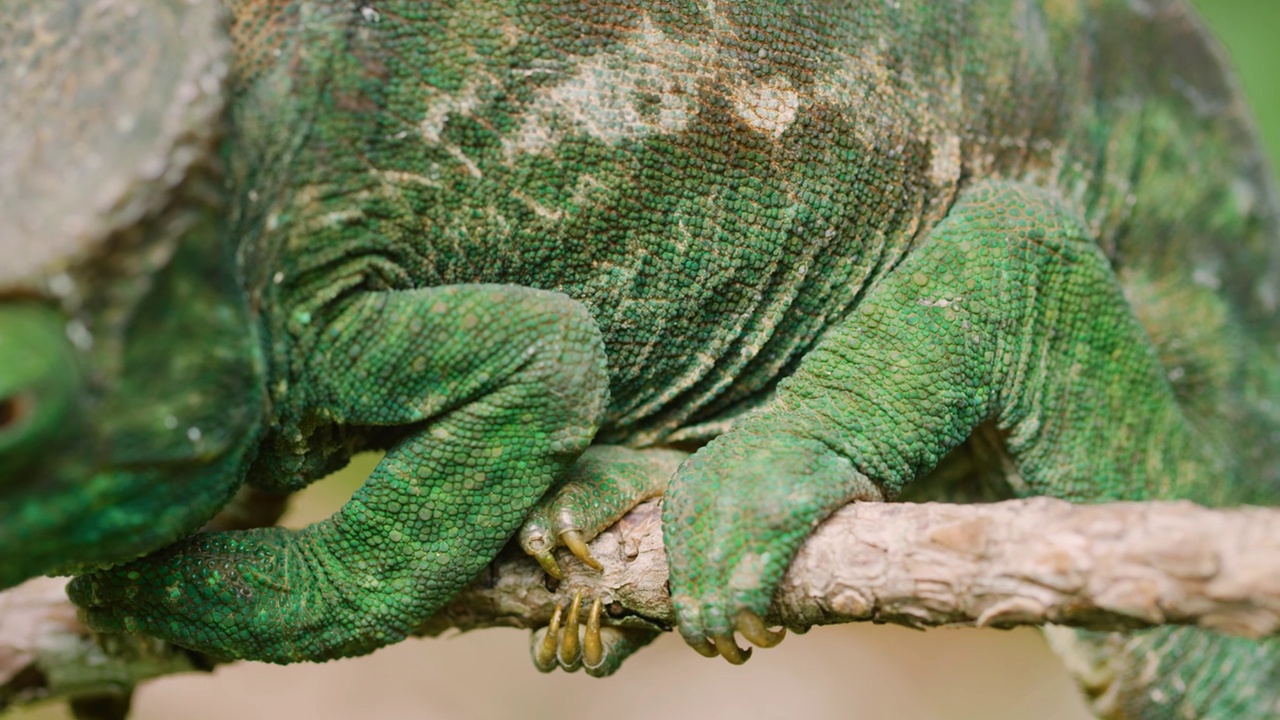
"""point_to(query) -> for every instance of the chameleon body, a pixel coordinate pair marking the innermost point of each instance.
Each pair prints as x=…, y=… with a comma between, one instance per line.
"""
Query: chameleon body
x=843, y=239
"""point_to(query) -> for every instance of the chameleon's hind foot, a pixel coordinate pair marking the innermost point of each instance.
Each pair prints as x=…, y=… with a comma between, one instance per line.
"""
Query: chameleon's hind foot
x=570, y=645
x=605, y=483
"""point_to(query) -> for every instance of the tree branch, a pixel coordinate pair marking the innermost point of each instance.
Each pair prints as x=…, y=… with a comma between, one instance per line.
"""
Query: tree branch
x=1022, y=562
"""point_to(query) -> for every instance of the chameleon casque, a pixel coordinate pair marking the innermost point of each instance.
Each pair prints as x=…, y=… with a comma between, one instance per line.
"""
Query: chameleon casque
x=838, y=240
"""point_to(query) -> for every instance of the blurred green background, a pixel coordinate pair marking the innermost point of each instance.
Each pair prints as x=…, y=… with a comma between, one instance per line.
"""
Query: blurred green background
x=867, y=672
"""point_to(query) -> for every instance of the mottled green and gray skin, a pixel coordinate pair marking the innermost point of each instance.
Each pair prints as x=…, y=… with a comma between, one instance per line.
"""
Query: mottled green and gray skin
x=484, y=235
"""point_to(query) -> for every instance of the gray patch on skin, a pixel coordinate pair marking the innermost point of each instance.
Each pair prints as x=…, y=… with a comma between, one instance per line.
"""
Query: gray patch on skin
x=650, y=86
x=602, y=97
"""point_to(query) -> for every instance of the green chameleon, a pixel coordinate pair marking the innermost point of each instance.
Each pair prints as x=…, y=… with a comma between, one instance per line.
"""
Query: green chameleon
x=831, y=245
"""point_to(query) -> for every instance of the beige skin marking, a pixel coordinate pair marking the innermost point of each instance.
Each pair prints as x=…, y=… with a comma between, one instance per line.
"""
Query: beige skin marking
x=944, y=166
x=602, y=97
x=397, y=177
x=768, y=108
x=463, y=103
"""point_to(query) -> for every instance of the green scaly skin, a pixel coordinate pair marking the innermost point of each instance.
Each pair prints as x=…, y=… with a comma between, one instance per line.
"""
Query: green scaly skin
x=484, y=235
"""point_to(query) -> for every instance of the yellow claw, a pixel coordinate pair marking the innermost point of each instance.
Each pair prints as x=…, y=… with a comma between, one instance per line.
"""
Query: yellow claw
x=549, y=564
x=753, y=629
x=572, y=539
x=730, y=650
x=592, y=648
x=544, y=656
x=704, y=648
x=569, y=638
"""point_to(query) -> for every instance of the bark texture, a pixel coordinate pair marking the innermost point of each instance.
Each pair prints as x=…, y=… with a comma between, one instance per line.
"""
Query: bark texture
x=1021, y=562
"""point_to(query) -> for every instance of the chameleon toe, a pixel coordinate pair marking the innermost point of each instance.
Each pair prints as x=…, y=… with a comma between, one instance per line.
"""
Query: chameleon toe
x=577, y=545
x=751, y=627
x=705, y=648
x=536, y=541
x=592, y=646
x=559, y=645
x=548, y=563
x=568, y=643
x=546, y=642
x=729, y=649
x=570, y=651
x=98, y=609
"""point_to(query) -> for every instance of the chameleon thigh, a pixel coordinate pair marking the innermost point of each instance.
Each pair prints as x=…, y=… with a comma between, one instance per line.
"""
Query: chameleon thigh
x=498, y=389
x=1006, y=311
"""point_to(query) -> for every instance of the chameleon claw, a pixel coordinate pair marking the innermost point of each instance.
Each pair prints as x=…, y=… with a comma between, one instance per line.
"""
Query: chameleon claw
x=704, y=647
x=544, y=651
x=573, y=540
x=570, y=645
x=549, y=564
x=592, y=646
x=752, y=628
x=730, y=650
x=569, y=650
x=535, y=540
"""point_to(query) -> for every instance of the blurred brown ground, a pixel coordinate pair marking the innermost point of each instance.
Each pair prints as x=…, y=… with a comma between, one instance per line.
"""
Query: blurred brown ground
x=859, y=671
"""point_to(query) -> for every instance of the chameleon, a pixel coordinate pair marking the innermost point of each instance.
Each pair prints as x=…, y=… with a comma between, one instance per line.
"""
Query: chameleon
x=832, y=248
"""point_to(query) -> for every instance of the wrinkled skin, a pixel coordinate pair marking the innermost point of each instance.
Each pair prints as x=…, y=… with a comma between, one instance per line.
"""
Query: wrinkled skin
x=838, y=238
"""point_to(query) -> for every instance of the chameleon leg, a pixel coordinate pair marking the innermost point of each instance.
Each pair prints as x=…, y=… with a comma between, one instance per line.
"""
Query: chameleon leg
x=1004, y=311
x=498, y=389
x=605, y=483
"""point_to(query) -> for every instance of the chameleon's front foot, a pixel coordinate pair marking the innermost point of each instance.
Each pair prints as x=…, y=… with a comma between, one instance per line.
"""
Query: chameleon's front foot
x=729, y=548
x=570, y=645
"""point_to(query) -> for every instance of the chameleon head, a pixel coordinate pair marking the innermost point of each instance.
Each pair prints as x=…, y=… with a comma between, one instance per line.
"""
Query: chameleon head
x=40, y=391
x=120, y=312
x=39, y=386
x=128, y=422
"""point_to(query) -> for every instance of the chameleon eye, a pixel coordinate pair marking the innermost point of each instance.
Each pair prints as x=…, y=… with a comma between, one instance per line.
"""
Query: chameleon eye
x=39, y=383
x=14, y=409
